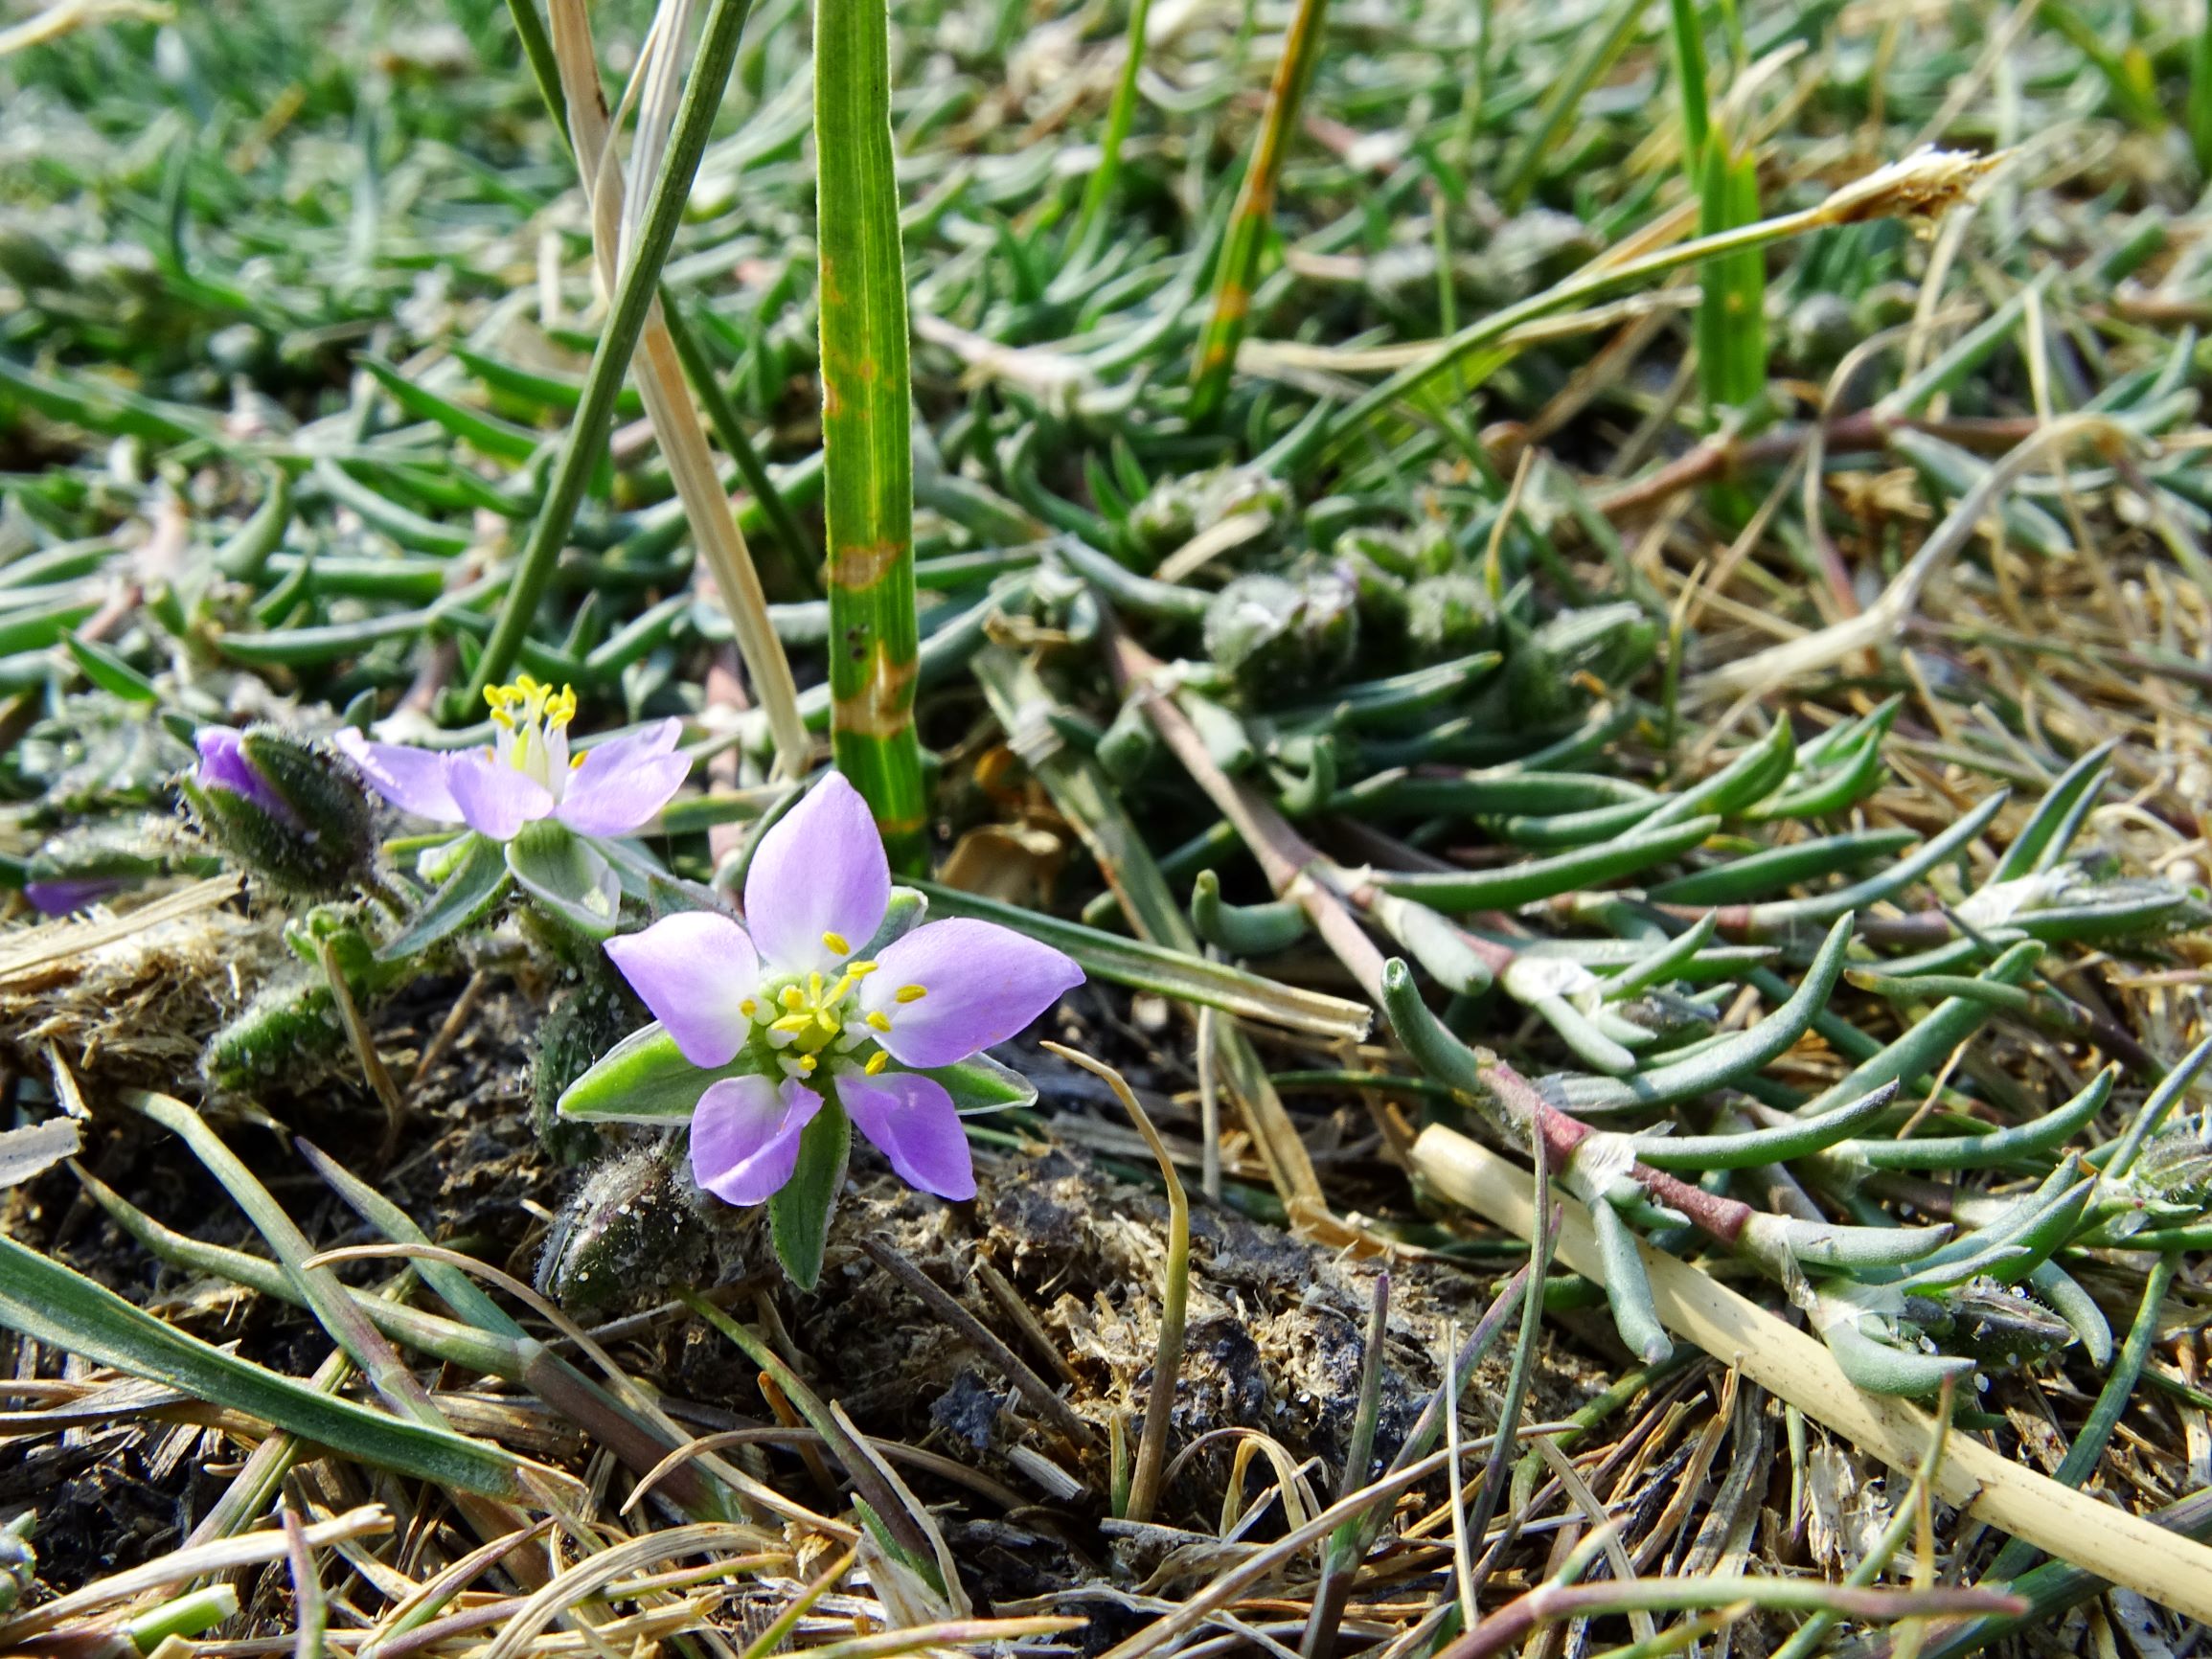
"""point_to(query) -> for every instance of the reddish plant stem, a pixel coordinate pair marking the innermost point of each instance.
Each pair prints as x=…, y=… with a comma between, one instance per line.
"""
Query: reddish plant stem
x=1506, y=1629
x=1718, y=458
x=1290, y=863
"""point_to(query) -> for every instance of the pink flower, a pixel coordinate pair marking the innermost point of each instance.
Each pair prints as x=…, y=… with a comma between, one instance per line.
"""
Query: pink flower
x=789, y=1001
x=527, y=774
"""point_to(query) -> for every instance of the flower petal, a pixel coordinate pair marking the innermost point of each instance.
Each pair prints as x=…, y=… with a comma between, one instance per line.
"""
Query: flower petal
x=620, y=784
x=820, y=871
x=912, y=1121
x=981, y=984
x=495, y=799
x=224, y=765
x=412, y=780
x=745, y=1137
x=694, y=970
x=61, y=897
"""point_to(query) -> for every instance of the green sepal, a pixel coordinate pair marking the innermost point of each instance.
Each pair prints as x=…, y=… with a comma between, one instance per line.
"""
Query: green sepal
x=568, y=875
x=799, y=1213
x=645, y=1078
x=477, y=881
x=980, y=1084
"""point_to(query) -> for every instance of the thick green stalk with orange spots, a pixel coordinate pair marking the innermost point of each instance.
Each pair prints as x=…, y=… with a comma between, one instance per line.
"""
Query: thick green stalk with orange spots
x=867, y=458
x=1255, y=210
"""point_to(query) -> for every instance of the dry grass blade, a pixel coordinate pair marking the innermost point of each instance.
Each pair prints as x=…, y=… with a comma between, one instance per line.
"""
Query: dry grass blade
x=668, y=397
x=1797, y=1369
x=195, y=1561
x=1174, y=1298
x=596, y=1572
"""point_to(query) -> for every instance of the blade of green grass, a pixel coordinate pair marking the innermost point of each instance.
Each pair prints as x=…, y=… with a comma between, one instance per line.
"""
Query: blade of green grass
x=867, y=436
x=1255, y=211
x=52, y=1304
x=585, y=440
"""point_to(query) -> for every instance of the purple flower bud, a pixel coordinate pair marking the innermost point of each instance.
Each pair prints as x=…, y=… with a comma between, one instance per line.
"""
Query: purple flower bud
x=224, y=765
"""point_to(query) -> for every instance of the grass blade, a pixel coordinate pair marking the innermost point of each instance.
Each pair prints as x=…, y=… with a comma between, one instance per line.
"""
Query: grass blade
x=56, y=1305
x=1255, y=211
x=867, y=439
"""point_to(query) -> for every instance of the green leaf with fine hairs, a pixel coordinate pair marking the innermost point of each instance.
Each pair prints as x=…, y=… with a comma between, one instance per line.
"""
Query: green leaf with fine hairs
x=799, y=1213
x=53, y=1303
x=476, y=883
x=867, y=417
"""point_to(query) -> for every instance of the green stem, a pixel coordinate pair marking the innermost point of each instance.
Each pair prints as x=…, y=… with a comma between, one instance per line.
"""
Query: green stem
x=585, y=439
x=1255, y=211
x=1120, y=115
x=867, y=411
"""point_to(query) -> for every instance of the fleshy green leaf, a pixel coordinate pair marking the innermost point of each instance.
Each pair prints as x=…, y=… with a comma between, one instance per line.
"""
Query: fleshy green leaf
x=477, y=884
x=800, y=1213
x=568, y=875
x=109, y=671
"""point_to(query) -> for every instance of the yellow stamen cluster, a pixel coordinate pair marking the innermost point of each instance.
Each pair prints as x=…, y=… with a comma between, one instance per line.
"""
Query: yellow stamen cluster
x=528, y=713
x=531, y=702
x=808, y=1021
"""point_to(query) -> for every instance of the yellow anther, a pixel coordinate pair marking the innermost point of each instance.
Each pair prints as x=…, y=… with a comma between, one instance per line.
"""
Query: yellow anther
x=814, y=988
x=792, y=998
x=793, y=1022
x=748, y=1007
x=836, y=944
x=879, y=1021
x=858, y=969
x=911, y=993
x=807, y=1065
x=877, y=1062
x=829, y=1022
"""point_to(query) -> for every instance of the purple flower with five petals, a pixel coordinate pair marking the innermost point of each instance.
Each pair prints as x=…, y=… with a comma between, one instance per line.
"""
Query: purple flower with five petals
x=528, y=774
x=791, y=1005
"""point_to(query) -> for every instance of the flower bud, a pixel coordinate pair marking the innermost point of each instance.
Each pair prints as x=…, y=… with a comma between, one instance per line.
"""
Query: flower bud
x=632, y=1231
x=291, y=808
x=1177, y=509
x=19, y=1560
x=1996, y=1326
x=2177, y=1166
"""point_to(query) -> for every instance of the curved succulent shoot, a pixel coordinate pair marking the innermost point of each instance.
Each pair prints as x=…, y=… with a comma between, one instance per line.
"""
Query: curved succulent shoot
x=549, y=809
x=826, y=1010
